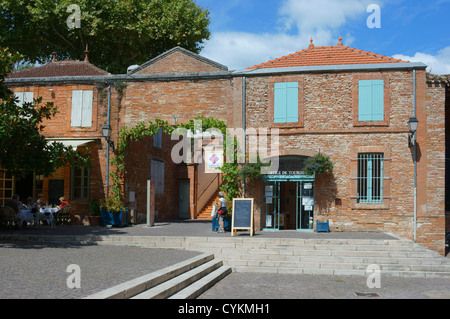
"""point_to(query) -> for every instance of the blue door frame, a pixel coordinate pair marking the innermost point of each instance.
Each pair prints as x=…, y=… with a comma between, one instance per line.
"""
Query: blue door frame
x=271, y=196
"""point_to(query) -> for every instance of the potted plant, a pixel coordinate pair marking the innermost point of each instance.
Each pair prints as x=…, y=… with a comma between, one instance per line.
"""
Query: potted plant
x=113, y=213
x=94, y=213
x=319, y=164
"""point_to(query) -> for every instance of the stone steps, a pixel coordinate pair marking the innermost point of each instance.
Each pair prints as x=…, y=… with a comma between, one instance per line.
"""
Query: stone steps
x=313, y=256
x=331, y=256
x=184, y=280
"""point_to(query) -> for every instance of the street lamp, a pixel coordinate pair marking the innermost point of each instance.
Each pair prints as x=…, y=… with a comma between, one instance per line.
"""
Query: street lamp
x=106, y=132
x=413, y=124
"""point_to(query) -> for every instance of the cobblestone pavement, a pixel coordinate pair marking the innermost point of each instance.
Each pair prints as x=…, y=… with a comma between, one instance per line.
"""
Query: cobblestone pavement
x=39, y=270
x=276, y=286
x=31, y=270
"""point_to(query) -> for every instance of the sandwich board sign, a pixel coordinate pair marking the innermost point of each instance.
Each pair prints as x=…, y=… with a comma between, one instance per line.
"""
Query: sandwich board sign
x=242, y=217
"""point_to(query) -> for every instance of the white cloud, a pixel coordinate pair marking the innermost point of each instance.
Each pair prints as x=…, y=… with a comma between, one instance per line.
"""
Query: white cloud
x=300, y=20
x=437, y=64
x=310, y=17
x=239, y=50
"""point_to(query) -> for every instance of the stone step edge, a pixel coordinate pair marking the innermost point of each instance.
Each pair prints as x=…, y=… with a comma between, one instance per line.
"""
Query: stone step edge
x=135, y=286
x=200, y=286
x=338, y=259
x=206, y=239
x=170, y=287
x=341, y=272
x=343, y=265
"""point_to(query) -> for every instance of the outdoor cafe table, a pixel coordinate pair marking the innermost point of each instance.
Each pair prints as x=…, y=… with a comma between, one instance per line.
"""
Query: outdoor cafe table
x=44, y=213
x=25, y=215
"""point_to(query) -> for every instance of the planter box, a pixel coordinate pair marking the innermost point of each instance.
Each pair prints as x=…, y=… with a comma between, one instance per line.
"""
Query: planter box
x=226, y=224
x=94, y=220
x=119, y=219
x=323, y=227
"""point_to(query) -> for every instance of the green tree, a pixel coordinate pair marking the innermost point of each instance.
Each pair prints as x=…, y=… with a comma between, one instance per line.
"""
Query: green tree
x=119, y=33
x=22, y=146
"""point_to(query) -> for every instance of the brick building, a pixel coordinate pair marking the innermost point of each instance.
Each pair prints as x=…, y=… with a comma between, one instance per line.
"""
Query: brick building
x=351, y=105
x=79, y=90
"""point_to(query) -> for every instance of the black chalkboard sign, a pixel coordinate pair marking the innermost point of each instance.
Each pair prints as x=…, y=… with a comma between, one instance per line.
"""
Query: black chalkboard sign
x=242, y=215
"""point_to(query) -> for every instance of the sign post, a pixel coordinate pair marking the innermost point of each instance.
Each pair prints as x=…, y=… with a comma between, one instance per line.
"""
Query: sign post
x=149, y=222
x=242, y=217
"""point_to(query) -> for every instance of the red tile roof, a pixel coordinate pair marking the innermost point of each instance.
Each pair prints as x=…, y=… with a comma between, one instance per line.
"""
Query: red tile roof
x=434, y=78
x=327, y=55
x=60, y=68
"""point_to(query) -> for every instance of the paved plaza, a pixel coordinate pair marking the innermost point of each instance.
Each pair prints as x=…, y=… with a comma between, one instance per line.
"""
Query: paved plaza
x=38, y=268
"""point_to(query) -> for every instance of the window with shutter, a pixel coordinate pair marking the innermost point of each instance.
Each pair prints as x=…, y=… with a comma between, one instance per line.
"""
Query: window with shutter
x=81, y=108
x=371, y=100
x=24, y=97
x=286, y=102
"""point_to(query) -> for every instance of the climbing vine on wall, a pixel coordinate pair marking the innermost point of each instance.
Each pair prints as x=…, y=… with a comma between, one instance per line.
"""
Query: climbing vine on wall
x=127, y=135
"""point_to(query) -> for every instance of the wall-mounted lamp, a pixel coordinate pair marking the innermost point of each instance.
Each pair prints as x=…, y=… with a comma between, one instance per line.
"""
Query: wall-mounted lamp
x=106, y=132
x=413, y=124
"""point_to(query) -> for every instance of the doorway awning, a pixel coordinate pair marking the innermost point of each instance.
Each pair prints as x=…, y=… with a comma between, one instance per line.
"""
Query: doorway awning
x=288, y=178
x=73, y=142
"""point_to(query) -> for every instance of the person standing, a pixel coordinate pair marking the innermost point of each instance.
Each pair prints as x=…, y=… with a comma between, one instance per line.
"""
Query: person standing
x=221, y=211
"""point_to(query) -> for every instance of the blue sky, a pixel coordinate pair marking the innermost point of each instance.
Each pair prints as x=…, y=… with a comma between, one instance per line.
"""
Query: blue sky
x=249, y=32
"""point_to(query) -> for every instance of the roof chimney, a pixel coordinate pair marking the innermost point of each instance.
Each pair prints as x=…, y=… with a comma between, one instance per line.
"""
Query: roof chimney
x=54, y=57
x=86, y=54
x=311, y=45
x=340, y=41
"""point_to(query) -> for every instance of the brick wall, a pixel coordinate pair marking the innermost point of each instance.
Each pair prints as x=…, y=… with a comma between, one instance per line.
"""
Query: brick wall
x=178, y=101
x=177, y=62
x=431, y=223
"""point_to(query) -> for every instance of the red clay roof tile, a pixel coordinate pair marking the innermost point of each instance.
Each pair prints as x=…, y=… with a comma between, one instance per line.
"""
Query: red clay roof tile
x=60, y=68
x=327, y=55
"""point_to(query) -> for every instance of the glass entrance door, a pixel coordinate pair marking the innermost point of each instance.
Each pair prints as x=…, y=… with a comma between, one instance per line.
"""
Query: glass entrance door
x=271, y=206
x=305, y=205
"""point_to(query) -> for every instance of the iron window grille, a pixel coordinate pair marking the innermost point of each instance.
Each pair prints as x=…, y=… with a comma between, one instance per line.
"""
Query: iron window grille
x=370, y=178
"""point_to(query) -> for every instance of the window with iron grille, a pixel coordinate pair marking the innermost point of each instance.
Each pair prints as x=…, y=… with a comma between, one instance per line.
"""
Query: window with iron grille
x=370, y=178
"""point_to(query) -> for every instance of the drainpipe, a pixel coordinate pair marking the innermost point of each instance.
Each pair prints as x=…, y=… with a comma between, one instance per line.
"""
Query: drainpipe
x=415, y=161
x=243, y=128
x=107, y=144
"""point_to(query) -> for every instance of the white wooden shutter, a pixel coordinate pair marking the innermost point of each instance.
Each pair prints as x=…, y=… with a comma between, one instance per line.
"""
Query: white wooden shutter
x=27, y=97
x=86, y=111
x=77, y=104
x=24, y=97
x=19, y=95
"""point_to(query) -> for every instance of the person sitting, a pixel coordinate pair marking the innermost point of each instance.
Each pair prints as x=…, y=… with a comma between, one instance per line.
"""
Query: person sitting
x=14, y=203
x=63, y=202
x=29, y=203
x=36, y=207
